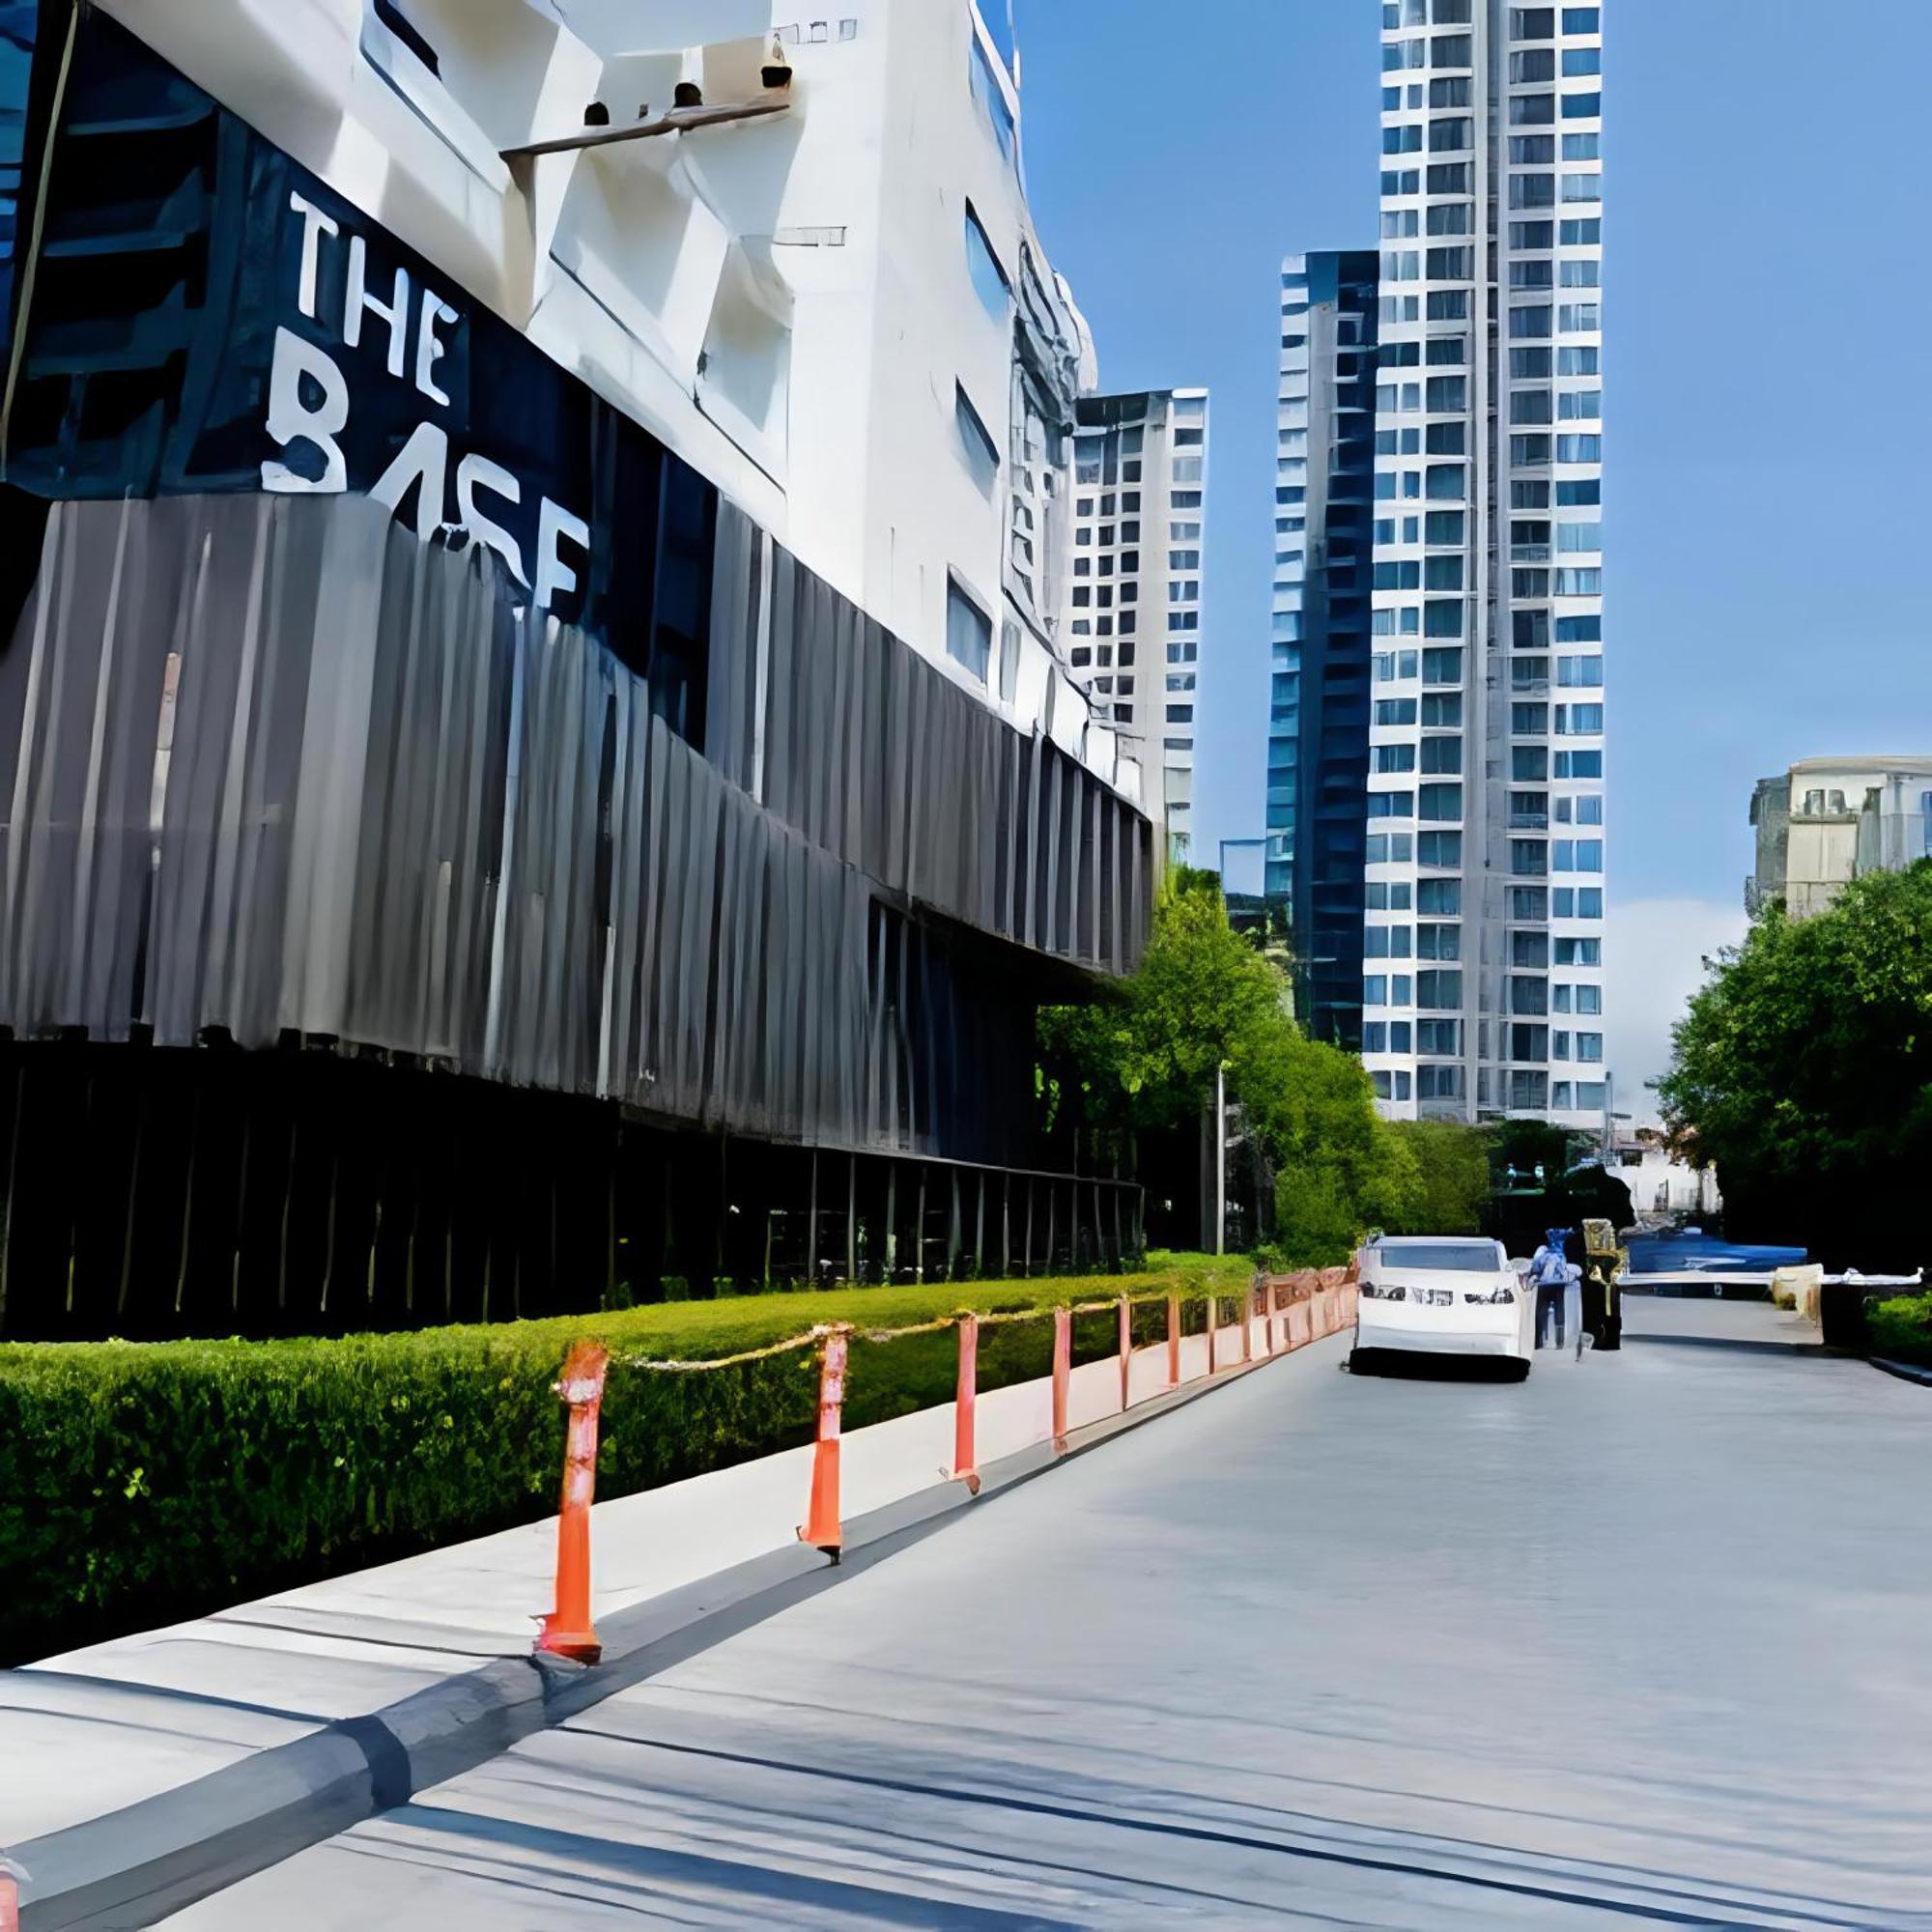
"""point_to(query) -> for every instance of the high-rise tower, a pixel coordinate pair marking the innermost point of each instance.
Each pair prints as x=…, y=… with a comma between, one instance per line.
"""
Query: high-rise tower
x=1134, y=630
x=1482, y=983
x=1319, y=650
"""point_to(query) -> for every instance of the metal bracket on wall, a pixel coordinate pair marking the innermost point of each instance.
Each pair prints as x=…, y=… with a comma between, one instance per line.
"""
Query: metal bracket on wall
x=679, y=120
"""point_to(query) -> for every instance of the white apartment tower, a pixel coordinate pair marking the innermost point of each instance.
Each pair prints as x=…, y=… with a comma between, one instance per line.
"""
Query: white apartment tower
x=1133, y=629
x=1485, y=868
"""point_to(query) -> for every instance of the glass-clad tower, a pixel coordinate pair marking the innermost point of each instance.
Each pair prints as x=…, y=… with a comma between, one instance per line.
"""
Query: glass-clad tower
x=1482, y=983
x=1319, y=696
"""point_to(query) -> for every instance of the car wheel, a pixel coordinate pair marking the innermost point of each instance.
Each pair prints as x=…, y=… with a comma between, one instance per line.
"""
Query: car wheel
x=1521, y=1372
x=1359, y=1362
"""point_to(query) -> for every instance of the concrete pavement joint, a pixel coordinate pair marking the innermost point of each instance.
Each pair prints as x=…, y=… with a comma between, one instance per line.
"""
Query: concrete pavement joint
x=132, y=1866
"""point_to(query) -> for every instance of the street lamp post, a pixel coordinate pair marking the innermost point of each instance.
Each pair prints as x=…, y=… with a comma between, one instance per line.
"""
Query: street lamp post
x=1221, y=1157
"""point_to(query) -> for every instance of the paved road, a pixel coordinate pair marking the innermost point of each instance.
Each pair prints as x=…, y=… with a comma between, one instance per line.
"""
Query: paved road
x=1643, y=1639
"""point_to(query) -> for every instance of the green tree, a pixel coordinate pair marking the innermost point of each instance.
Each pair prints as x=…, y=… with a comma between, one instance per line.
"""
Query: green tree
x=1452, y=1191
x=1204, y=998
x=1803, y=1070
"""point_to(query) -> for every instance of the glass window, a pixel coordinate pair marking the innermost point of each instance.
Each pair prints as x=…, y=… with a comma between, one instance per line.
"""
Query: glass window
x=969, y=631
x=976, y=441
x=989, y=279
x=987, y=91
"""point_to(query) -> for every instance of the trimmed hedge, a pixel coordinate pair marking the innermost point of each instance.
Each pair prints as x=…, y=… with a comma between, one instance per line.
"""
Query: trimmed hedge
x=141, y=1482
x=1900, y=1329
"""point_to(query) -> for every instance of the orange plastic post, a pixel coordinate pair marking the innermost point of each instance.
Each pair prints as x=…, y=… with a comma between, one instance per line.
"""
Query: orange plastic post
x=1248, y=1327
x=567, y=1630
x=1267, y=1320
x=1213, y=1322
x=1172, y=1341
x=1062, y=1370
x=10, y=1901
x=821, y=1528
x=965, y=1458
x=1126, y=1355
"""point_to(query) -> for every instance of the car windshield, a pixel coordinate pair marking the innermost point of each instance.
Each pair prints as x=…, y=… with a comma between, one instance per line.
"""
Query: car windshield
x=1464, y=1257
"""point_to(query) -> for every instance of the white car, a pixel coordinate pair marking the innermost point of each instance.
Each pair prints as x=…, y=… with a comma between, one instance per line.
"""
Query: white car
x=1441, y=1294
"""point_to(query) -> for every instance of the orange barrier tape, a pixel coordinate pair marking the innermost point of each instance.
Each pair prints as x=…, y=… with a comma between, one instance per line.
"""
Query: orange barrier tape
x=567, y=1630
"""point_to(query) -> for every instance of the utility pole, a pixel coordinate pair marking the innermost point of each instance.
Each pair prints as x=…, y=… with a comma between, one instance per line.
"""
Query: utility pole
x=1221, y=1157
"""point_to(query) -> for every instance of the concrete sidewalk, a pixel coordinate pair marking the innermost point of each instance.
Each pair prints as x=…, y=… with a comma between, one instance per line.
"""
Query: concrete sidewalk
x=138, y=1774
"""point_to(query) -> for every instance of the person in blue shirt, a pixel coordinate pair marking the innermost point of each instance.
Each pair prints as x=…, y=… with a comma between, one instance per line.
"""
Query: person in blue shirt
x=1549, y=1271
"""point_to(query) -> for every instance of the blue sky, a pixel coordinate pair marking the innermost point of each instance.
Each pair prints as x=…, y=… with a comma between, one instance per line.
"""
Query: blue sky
x=1769, y=457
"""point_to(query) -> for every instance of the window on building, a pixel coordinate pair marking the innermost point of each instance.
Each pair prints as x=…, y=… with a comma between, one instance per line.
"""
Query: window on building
x=990, y=281
x=976, y=442
x=969, y=631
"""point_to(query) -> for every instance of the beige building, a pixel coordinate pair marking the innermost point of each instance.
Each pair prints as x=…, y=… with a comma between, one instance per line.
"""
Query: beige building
x=1827, y=820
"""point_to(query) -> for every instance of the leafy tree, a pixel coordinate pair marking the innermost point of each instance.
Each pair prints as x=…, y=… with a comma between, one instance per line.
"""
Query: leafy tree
x=1147, y=1058
x=1144, y=1060
x=1451, y=1185
x=1803, y=1070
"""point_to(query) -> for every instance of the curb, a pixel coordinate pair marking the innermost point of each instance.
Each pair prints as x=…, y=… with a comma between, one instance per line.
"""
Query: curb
x=130, y=1867
x=1906, y=1372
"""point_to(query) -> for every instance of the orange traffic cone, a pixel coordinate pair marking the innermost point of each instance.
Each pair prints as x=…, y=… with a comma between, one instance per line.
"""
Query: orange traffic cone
x=567, y=1630
x=821, y=1528
x=1126, y=1353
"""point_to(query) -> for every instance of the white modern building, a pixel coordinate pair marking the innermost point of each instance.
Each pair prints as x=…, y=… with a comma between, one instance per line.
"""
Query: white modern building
x=1133, y=628
x=1485, y=832
x=1825, y=821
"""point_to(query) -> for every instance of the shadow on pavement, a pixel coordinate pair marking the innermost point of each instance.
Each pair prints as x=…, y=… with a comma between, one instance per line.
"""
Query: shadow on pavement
x=1396, y=1365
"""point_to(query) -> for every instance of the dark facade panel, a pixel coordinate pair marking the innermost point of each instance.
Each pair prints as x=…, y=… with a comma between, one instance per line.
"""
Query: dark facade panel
x=269, y=766
x=878, y=756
